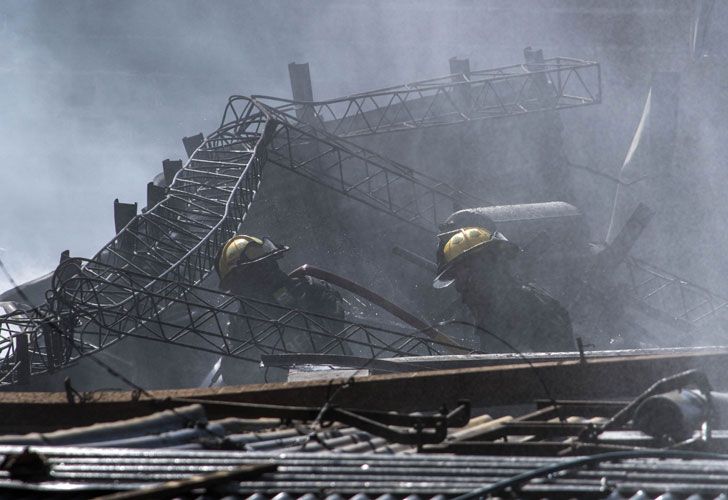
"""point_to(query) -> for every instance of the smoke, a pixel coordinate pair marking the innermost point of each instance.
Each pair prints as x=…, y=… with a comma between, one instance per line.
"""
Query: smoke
x=95, y=94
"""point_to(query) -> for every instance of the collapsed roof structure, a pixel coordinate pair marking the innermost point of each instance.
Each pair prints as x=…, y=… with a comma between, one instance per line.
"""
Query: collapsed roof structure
x=418, y=410
x=149, y=281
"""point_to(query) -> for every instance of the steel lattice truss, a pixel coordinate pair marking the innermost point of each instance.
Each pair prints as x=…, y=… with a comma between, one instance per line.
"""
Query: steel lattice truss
x=556, y=83
x=669, y=298
x=170, y=248
x=94, y=314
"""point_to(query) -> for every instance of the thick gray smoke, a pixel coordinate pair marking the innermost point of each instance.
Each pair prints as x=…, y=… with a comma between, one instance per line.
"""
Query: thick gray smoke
x=95, y=94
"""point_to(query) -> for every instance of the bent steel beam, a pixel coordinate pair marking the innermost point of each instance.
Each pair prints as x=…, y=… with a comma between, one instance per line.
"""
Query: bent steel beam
x=611, y=377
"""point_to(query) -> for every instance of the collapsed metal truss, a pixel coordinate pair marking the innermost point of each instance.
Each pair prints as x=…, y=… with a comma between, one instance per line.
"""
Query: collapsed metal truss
x=170, y=247
x=358, y=173
x=690, y=307
x=88, y=316
x=553, y=84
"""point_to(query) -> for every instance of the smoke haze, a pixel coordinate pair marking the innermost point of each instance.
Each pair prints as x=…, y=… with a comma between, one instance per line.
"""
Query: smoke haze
x=95, y=94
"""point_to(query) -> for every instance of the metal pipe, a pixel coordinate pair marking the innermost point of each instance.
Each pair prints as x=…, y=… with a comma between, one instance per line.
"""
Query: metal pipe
x=156, y=423
x=165, y=439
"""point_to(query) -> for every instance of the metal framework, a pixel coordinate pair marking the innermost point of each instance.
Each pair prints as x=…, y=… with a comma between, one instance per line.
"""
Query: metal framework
x=691, y=307
x=553, y=84
x=341, y=165
x=170, y=248
x=92, y=313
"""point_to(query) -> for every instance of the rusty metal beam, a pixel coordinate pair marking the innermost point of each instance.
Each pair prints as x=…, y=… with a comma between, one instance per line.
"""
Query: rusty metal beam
x=622, y=377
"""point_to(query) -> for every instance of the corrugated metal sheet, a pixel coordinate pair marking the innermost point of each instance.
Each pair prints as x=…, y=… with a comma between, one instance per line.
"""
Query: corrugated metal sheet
x=323, y=474
x=182, y=453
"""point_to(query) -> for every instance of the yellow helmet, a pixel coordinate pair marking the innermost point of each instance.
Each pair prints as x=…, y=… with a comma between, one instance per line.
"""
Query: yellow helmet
x=456, y=245
x=242, y=250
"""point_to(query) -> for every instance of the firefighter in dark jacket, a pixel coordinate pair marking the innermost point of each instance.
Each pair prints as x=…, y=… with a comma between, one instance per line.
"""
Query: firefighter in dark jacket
x=477, y=261
x=248, y=267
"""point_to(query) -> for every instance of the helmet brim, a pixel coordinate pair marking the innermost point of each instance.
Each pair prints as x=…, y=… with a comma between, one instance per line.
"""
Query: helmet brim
x=499, y=243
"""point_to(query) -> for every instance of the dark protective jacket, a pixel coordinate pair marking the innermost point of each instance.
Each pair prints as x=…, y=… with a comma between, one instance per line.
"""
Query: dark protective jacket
x=526, y=317
x=312, y=295
x=299, y=335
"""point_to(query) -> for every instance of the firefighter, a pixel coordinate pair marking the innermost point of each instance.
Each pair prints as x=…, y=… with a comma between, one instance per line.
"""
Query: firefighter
x=248, y=267
x=477, y=261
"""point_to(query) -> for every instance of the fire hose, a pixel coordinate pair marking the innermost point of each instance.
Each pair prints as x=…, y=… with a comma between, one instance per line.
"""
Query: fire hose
x=396, y=311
